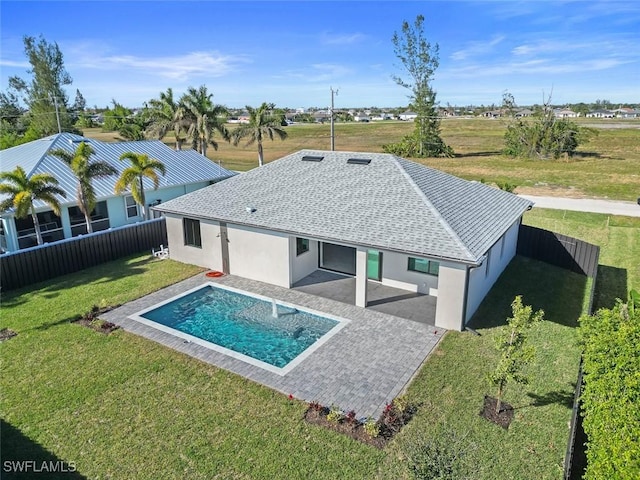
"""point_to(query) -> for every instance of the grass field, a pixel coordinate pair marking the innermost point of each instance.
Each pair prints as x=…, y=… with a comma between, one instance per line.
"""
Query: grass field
x=606, y=167
x=120, y=406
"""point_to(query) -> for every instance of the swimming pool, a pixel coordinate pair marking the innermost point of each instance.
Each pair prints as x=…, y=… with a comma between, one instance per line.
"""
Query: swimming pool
x=275, y=336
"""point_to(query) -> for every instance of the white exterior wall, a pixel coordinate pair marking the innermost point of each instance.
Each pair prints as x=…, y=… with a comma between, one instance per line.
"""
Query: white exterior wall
x=305, y=263
x=481, y=281
x=259, y=255
x=209, y=256
x=396, y=274
x=450, y=307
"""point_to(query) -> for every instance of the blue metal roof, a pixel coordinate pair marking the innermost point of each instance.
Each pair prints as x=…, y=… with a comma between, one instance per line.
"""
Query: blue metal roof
x=183, y=167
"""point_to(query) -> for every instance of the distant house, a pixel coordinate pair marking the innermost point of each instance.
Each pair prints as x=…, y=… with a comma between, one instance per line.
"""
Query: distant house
x=372, y=217
x=492, y=114
x=626, y=113
x=187, y=171
x=564, y=113
x=361, y=117
x=321, y=117
x=523, y=112
x=408, y=116
x=601, y=113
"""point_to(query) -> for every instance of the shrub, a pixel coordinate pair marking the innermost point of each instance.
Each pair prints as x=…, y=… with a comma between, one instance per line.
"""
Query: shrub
x=443, y=456
x=611, y=394
x=371, y=427
x=335, y=415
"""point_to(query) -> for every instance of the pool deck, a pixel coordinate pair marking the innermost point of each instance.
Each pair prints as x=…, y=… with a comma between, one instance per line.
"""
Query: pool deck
x=364, y=366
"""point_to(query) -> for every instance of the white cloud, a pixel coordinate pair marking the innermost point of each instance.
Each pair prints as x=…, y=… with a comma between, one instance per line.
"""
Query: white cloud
x=475, y=49
x=536, y=67
x=342, y=38
x=182, y=67
x=13, y=63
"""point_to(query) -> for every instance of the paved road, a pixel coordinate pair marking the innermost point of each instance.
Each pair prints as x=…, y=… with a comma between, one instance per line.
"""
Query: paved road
x=611, y=207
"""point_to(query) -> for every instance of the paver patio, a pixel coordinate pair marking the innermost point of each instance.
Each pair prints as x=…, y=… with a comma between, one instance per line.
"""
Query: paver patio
x=363, y=367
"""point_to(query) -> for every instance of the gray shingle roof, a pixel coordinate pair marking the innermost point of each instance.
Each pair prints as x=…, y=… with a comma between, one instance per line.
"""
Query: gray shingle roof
x=390, y=204
x=183, y=167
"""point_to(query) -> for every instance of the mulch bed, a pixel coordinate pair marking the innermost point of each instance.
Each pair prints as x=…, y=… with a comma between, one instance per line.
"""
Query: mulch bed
x=393, y=418
x=91, y=320
x=6, y=334
x=502, y=418
x=353, y=430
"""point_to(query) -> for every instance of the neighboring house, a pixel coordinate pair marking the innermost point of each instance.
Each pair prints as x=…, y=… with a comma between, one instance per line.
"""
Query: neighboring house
x=361, y=117
x=187, y=171
x=375, y=217
x=523, y=112
x=601, y=114
x=408, y=116
x=564, y=113
x=626, y=113
x=492, y=114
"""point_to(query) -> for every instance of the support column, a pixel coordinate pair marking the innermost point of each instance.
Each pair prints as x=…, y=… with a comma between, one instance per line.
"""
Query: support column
x=10, y=233
x=361, y=277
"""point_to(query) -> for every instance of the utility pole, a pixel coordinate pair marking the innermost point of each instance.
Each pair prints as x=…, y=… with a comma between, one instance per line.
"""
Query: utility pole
x=333, y=137
x=55, y=103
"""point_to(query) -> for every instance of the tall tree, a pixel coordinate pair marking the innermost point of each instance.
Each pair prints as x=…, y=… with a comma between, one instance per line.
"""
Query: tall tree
x=204, y=119
x=166, y=115
x=85, y=171
x=44, y=94
x=420, y=59
x=132, y=177
x=264, y=122
x=21, y=192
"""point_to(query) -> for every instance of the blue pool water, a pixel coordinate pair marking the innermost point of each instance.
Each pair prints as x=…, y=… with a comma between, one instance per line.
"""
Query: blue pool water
x=243, y=324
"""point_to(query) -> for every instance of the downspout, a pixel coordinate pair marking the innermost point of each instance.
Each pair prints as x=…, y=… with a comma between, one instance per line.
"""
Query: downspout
x=466, y=290
x=466, y=295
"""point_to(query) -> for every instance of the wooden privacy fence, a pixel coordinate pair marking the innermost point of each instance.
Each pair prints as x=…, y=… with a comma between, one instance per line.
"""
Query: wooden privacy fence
x=559, y=250
x=32, y=265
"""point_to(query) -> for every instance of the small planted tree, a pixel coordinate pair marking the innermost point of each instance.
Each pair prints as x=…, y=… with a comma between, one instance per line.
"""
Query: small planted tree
x=511, y=345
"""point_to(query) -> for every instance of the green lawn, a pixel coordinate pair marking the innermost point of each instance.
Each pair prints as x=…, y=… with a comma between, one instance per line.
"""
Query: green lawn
x=607, y=166
x=120, y=406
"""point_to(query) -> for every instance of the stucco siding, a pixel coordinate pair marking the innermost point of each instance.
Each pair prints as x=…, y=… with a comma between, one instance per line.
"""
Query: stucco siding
x=304, y=264
x=259, y=255
x=451, y=286
x=395, y=273
x=209, y=256
x=481, y=280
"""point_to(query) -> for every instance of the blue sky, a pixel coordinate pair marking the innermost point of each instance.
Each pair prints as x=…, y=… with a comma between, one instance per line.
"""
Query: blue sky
x=291, y=53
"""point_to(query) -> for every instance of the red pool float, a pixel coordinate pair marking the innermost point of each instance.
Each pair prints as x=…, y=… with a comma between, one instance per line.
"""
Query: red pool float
x=214, y=274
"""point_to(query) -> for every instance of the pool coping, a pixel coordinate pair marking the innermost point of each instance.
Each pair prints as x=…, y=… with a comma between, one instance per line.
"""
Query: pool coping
x=341, y=323
x=362, y=368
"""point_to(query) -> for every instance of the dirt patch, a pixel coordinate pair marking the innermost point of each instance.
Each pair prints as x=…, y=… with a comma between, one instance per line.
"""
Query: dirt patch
x=6, y=334
x=503, y=418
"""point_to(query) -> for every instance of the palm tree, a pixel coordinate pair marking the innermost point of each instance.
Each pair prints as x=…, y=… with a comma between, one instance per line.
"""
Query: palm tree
x=131, y=177
x=167, y=114
x=204, y=119
x=22, y=191
x=263, y=123
x=85, y=170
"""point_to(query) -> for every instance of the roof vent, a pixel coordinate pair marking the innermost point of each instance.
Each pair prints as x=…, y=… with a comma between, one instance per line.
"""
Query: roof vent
x=311, y=158
x=250, y=209
x=359, y=161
